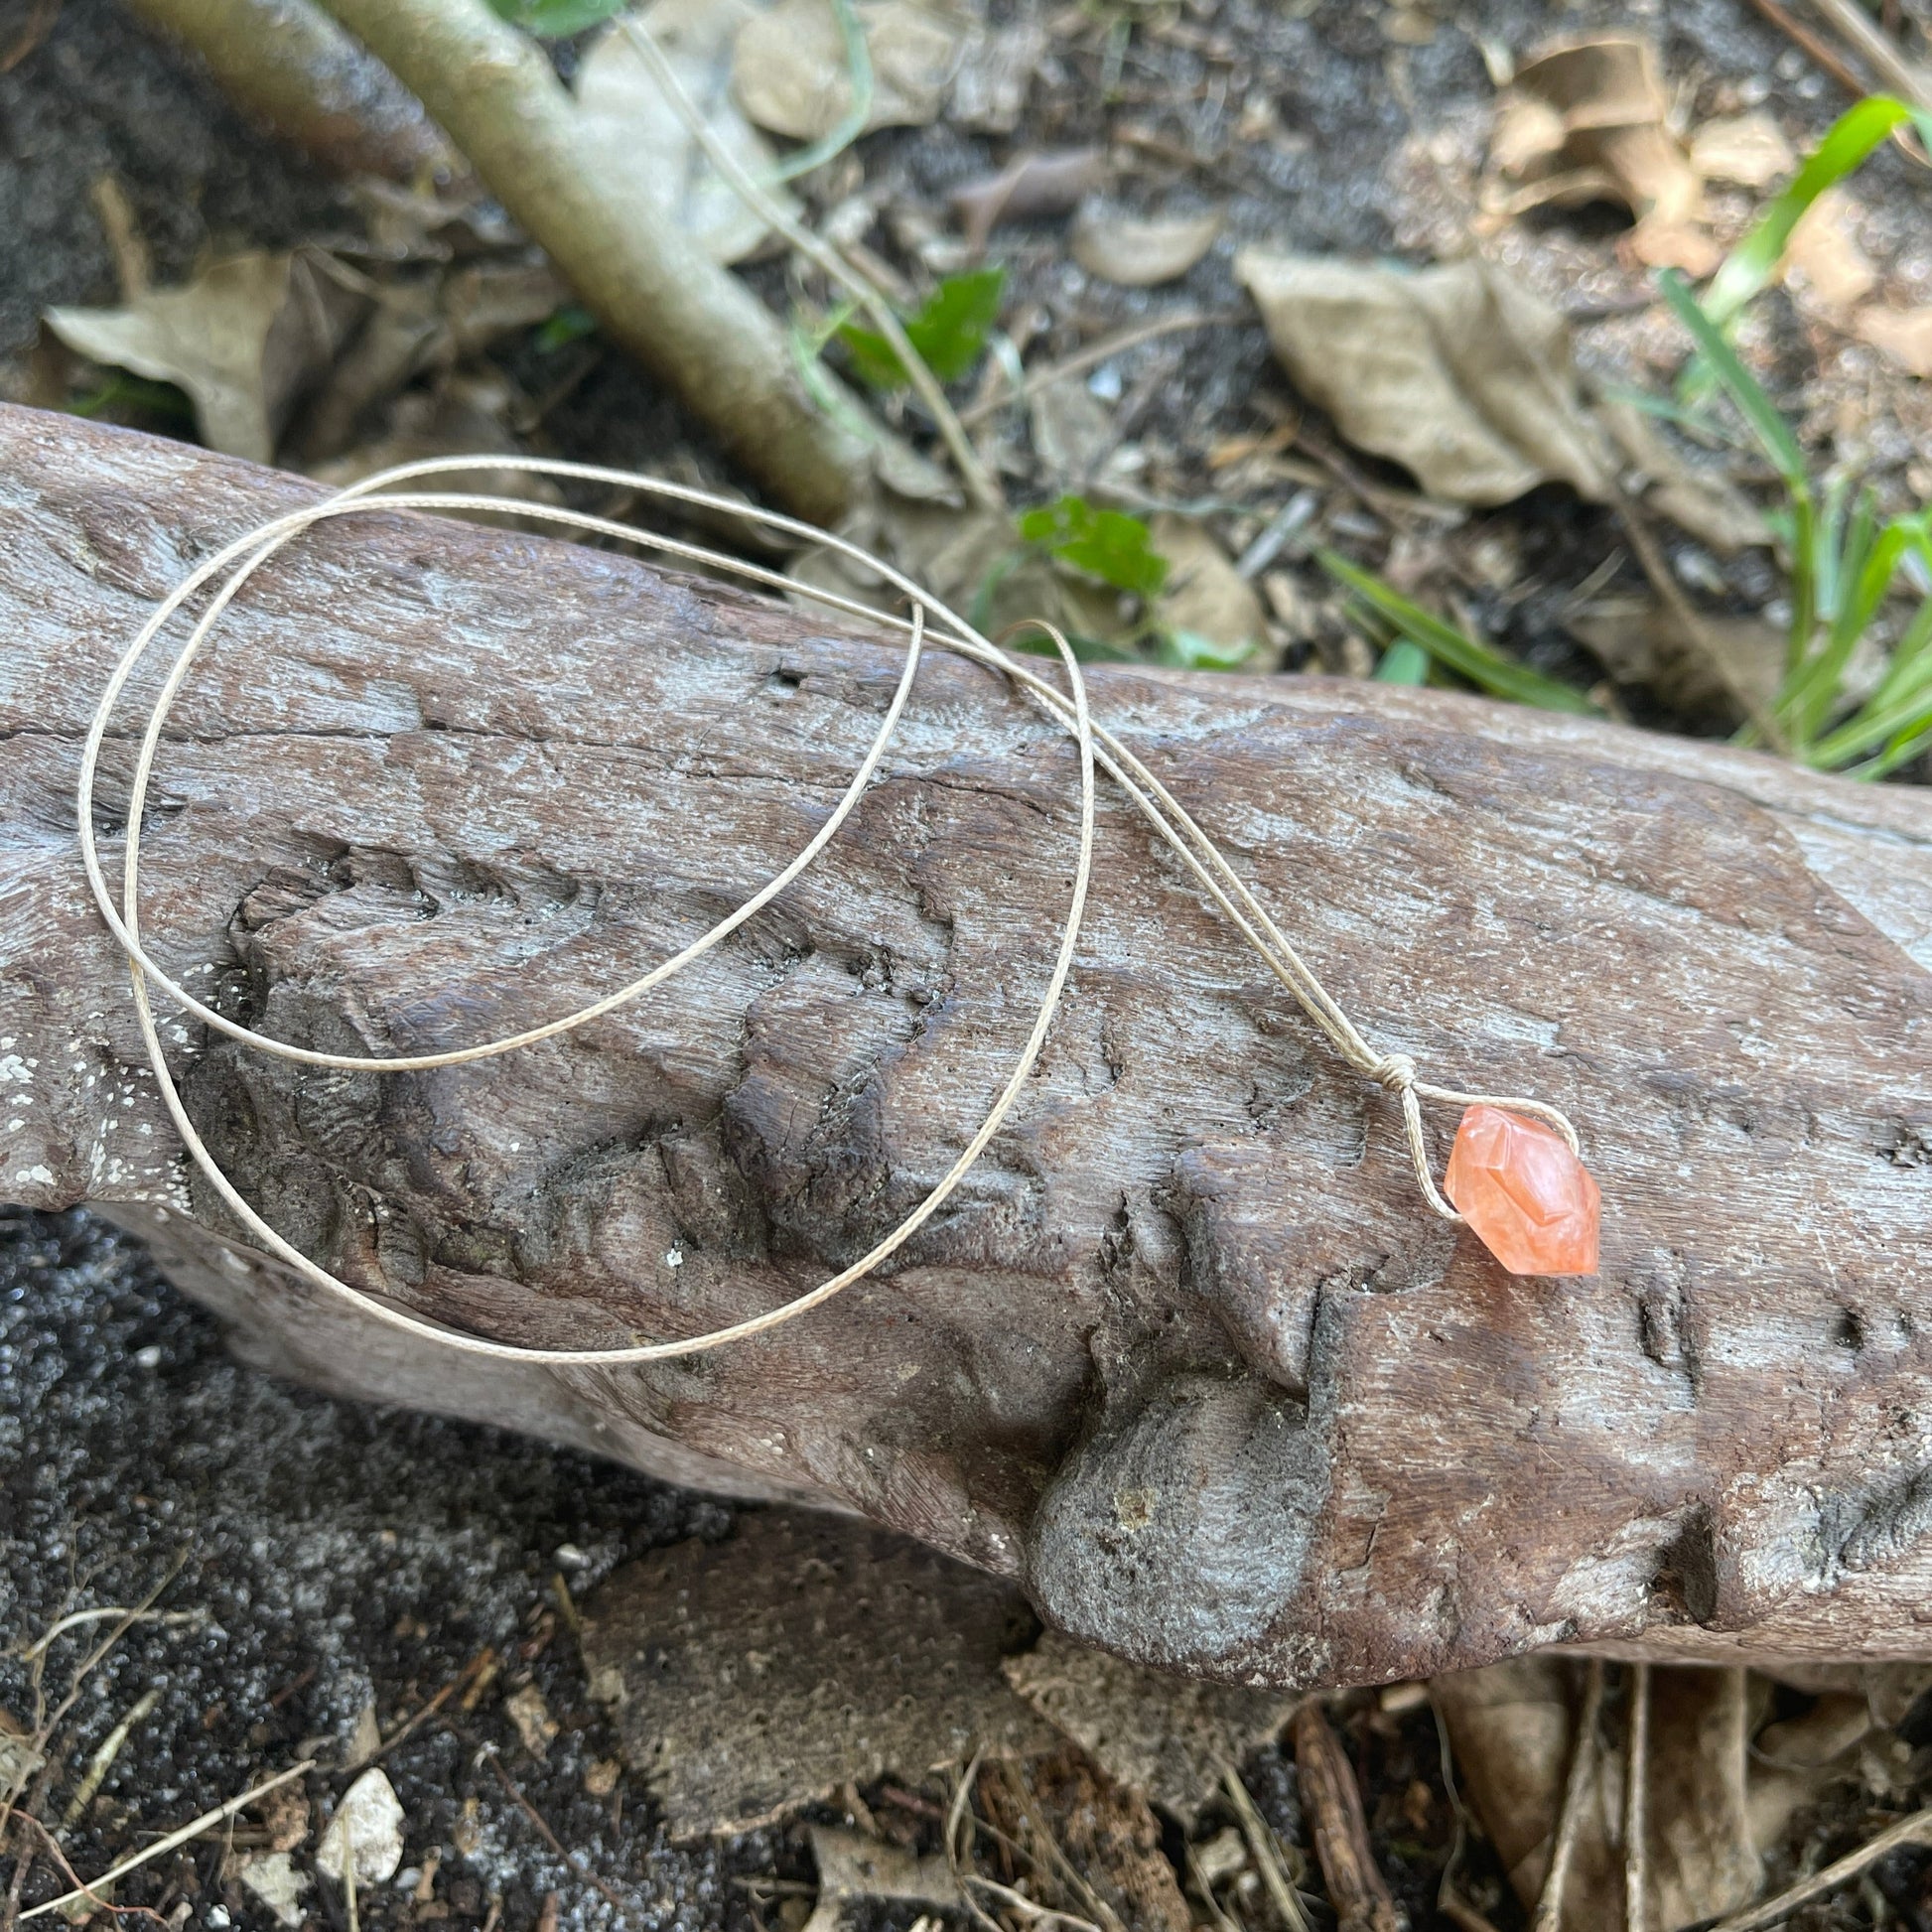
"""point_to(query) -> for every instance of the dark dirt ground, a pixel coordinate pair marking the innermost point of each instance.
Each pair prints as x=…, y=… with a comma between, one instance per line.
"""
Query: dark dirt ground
x=336, y=1556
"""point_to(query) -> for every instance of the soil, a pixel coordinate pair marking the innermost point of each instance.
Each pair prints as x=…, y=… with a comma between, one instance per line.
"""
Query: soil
x=335, y=1557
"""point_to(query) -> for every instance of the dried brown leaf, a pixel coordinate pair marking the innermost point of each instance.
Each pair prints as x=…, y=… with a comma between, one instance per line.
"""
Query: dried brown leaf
x=1642, y=644
x=1167, y=1738
x=790, y=73
x=244, y=339
x=1457, y=372
x=1138, y=253
x=806, y=1651
x=1204, y=593
x=647, y=148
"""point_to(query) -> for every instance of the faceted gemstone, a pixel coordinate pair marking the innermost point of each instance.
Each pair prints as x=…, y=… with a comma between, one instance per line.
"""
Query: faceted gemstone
x=1530, y=1199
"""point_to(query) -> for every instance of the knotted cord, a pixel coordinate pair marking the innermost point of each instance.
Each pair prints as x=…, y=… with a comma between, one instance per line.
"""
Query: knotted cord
x=1097, y=746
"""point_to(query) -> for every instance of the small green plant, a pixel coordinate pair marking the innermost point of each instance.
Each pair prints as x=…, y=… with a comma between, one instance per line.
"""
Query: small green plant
x=1428, y=638
x=1844, y=564
x=948, y=333
x=555, y=19
x=568, y=325
x=1107, y=544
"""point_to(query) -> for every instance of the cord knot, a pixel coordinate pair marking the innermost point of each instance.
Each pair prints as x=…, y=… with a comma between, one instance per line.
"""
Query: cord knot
x=1395, y=1072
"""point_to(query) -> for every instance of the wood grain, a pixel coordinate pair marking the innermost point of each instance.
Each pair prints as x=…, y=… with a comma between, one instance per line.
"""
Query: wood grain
x=1184, y=1354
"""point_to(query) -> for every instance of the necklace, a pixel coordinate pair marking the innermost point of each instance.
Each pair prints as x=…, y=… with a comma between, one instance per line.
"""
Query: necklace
x=1515, y=1171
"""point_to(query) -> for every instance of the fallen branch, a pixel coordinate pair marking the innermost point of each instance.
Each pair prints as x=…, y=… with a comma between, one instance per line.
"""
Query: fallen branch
x=1182, y=1352
x=289, y=67
x=652, y=289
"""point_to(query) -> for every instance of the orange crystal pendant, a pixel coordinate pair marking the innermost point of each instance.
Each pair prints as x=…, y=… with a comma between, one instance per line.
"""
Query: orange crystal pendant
x=1531, y=1202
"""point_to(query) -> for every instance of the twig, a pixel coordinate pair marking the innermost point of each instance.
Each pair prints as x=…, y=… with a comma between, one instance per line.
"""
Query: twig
x=102, y=1760
x=981, y=484
x=1569, y=1820
x=1636, y=1793
x=651, y=287
x=1356, y=1887
x=1261, y=1843
x=1094, y=355
x=1206, y=1893
x=550, y=1838
x=413, y=1723
x=1915, y=1829
x=1029, y=1909
x=1821, y=52
x=76, y=1619
x=207, y=1821
x=1902, y=76
x=1449, y=1897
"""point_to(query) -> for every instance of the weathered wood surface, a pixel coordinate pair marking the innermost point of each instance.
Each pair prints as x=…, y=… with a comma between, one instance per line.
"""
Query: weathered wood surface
x=1186, y=1356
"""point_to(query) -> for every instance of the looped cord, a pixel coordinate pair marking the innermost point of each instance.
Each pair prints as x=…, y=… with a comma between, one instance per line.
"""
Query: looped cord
x=1096, y=747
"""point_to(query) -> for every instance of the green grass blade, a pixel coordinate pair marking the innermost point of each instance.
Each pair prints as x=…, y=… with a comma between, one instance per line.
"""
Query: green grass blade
x=1480, y=664
x=1848, y=142
x=1773, y=433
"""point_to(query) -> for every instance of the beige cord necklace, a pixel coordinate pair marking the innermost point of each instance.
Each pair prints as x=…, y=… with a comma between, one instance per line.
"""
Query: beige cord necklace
x=1096, y=747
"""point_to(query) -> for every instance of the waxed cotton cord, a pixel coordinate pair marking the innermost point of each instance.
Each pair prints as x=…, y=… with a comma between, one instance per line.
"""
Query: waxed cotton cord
x=1396, y=1073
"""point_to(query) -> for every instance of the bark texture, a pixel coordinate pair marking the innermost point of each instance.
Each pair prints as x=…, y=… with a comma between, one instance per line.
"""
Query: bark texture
x=1185, y=1354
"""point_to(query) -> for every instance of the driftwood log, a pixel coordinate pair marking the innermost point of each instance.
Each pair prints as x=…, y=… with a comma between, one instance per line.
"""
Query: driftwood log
x=1185, y=1356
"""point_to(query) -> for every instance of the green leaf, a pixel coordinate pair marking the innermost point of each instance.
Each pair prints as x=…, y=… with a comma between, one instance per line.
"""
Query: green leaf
x=569, y=325
x=551, y=20
x=1848, y=142
x=1107, y=544
x=1743, y=388
x=1404, y=662
x=1483, y=664
x=1189, y=650
x=947, y=334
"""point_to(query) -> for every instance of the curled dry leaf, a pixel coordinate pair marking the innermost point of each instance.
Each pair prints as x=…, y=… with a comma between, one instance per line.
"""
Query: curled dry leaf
x=1748, y=149
x=1027, y=187
x=790, y=72
x=1457, y=372
x=647, y=146
x=245, y=339
x=365, y=1834
x=1140, y=254
x=1587, y=122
